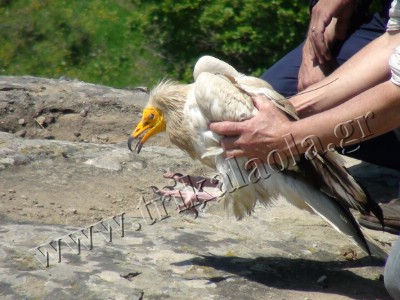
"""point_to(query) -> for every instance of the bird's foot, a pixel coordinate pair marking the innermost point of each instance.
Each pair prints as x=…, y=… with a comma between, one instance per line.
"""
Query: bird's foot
x=193, y=193
x=187, y=200
x=197, y=182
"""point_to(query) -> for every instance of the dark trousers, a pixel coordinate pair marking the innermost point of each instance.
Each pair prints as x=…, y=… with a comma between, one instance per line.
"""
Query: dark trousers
x=383, y=150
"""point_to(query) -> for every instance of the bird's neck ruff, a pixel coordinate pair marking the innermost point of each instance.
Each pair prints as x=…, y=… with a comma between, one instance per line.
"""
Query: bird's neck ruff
x=170, y=97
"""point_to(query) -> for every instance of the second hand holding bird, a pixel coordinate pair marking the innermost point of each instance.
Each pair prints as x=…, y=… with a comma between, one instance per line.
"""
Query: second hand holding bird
x=257, y=137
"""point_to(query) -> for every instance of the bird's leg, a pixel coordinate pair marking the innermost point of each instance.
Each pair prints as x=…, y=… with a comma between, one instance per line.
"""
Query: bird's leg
x=190, y=199
x=193, y=194
x=197, y=182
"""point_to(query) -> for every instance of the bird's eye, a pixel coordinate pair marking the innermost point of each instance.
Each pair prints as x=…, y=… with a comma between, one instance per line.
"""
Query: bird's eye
x=151, y=117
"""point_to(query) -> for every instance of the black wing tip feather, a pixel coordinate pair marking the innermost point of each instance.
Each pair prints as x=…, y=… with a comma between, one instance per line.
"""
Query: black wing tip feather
x=330, y=166
x=373, y=207
x=355, y=224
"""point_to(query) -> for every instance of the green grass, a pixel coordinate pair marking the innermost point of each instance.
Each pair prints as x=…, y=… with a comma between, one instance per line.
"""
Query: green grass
x=94, y=41
x=127, y=43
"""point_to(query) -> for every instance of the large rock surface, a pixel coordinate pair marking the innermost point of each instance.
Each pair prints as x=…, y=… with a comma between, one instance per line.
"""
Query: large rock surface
x=64, y=167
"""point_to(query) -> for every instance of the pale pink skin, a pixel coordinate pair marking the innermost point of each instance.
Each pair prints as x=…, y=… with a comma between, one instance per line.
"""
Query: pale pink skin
x=193, y=197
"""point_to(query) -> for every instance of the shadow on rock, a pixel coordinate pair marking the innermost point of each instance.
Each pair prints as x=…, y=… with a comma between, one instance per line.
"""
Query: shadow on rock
x=333, y=277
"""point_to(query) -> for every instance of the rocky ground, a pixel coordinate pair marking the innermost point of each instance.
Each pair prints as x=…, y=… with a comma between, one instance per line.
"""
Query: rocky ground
x=65, y=168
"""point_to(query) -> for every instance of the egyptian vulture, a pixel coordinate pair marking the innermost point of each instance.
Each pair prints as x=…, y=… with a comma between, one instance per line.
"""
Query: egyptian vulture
x=221, y=93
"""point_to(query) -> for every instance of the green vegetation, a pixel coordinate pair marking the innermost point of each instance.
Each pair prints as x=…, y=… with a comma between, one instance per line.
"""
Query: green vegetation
x=128, y=43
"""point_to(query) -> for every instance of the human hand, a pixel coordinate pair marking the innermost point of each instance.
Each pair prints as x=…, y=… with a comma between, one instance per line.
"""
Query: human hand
x=258, y=136
x=321, y=17
x=309, y=72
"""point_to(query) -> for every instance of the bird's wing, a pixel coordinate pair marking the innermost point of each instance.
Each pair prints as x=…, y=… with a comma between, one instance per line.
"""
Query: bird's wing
x=253, y=85
x=228, y=97
x=210, y=64
x=216, y=99
x=334, y=180
x=203, y=140
x=219, y=100
x=248, y=84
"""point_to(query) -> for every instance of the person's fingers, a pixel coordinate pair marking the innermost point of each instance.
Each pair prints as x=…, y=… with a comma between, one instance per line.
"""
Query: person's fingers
x=308, y=75
x=226, y=128
x=319, y=45
x=260, y=101
x=228, y=143
x=234, y=153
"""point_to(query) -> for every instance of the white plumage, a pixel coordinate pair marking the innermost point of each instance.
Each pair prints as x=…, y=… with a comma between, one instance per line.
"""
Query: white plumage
x=220, y=93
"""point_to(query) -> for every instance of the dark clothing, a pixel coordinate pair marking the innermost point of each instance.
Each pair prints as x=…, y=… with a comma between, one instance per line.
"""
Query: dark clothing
x=283, y=76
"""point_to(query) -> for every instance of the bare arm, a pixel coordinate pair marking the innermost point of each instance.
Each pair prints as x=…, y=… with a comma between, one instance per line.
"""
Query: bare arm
x=322, y=31
x=366, y=69
x=362, y=96
x=330, y=21
x=365, y=116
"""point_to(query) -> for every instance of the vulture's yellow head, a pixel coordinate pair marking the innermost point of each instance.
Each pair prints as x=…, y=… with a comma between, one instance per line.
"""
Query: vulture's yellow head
x=152, y=122
x=164, y=112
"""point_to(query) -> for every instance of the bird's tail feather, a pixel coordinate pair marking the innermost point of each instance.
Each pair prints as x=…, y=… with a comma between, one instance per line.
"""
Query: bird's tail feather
x=333, y=212
x=336, y=181
x=343, y=221
x=375, y=249
x=302, y=194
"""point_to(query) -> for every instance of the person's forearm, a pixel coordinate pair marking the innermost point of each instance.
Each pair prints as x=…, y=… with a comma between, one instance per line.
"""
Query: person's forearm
x=363, y=117
x=364, y=70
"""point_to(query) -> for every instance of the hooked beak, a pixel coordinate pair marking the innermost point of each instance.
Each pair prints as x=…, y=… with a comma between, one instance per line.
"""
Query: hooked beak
x=152, y=122
x=137, y=147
